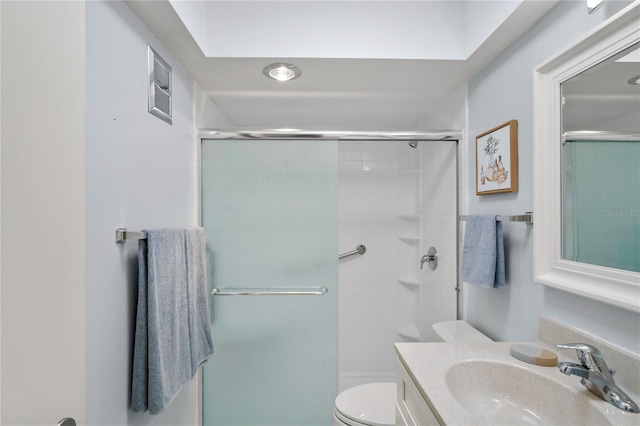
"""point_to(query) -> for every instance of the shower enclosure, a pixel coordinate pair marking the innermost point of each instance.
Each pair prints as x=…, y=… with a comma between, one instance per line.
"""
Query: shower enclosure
x=398, y=199
x=601, y=200
x=271, y=210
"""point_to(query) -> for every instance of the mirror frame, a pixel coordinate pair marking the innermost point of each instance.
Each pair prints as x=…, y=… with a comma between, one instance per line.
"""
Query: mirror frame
x=608, y=285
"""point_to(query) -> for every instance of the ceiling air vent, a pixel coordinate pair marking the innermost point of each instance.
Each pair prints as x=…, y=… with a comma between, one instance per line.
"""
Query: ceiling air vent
x=159, y=86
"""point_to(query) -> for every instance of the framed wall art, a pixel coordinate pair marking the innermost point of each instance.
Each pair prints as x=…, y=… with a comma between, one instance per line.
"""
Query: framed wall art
x=497, y=159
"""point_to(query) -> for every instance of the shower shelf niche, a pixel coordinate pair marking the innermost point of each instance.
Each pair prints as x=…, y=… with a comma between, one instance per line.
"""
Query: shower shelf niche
x=408, y=226
x=409, y=242
x=409, y=281
x=410, y=332
x=409, y=239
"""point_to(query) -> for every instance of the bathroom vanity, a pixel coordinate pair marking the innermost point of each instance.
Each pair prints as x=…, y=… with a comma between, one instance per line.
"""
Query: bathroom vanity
x=411, y=406
x=481, y=383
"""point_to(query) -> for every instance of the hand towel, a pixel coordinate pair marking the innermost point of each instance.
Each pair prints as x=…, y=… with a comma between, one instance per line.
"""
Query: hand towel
x=169, y=320
x=483, y=252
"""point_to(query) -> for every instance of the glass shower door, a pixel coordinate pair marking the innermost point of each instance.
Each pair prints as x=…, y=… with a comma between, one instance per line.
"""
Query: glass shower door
x=270, y=209
x=601, y=203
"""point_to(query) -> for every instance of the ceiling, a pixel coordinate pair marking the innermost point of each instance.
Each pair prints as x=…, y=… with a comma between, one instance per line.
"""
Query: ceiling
x=601, y=99
x=346, y=86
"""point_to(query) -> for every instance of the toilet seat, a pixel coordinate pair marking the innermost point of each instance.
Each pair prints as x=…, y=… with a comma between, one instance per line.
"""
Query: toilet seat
x=372, y=404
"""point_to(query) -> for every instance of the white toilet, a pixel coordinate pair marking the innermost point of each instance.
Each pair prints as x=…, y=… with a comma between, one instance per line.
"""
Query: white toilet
x=459, y=331
x=373, y=404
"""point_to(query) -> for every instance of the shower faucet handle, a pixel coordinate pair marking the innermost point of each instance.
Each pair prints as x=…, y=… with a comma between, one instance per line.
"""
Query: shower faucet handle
x=431, y=257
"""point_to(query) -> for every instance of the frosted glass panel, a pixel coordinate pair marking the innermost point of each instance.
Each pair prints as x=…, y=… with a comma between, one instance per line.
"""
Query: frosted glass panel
x=270, y=209
x=601, y=203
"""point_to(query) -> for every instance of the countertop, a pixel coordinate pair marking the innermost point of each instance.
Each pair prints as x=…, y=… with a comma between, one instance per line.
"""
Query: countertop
x=428, y=365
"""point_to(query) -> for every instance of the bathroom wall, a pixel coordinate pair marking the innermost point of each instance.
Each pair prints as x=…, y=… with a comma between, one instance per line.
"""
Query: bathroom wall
x=326, y=29
x=397, y=201
x=0, y=221
x=43, y=202
x=139, y=174
x=452, y=113
x=439, y=230
x=367, y=299
x=503, y=91
x=207, y=116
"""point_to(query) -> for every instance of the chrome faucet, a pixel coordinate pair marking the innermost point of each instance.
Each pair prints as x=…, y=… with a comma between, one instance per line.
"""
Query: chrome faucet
x=596, y=376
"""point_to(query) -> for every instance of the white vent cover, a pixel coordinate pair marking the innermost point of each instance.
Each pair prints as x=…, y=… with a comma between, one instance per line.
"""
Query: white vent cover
x=159, y=86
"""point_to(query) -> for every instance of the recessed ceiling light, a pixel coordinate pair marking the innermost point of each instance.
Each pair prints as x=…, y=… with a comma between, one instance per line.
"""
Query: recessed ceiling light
x=282, y=71
x=634, y=80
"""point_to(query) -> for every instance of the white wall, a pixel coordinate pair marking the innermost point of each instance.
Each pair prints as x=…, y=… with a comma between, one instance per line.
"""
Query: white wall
x=207, y=116
x=194, y=15
x=321, y=29
x=452, y=113
x=481, y=18
x=0, y=216
x=43, y=210
x=139, y=174
x=287, y=29
x=207, y=113
x=384, y=296
x=501, y=92
x=439, y=229
x=367, y=283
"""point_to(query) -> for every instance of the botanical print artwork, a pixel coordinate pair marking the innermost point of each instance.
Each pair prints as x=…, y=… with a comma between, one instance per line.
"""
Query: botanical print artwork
x=493, y=169
x=496, y=159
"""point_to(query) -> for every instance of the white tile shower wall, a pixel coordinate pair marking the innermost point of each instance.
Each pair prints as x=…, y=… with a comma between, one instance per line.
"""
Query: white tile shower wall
x=408, y=310
x=367, y=299
x=439, y=229
x=453, y=113
x=463, y=209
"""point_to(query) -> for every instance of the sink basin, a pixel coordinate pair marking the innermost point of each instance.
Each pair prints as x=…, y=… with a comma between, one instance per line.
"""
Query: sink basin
x=501, y=393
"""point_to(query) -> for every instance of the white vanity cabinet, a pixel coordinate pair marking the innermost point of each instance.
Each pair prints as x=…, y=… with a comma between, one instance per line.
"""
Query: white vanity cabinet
x=411, y=408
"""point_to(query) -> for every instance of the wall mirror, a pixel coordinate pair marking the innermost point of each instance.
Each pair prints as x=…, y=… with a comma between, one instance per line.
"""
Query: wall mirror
x=587, y=165
x=600, y=166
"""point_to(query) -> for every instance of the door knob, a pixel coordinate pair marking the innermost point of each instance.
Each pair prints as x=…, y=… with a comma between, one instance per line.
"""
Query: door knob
x=67, y=421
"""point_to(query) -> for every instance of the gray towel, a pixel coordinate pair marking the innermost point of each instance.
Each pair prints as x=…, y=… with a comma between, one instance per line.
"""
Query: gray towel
x=169, y=321
x=199, y=320
x=483, y=252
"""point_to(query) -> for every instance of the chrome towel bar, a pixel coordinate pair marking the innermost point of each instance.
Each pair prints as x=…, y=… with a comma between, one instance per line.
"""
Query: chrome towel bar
x=525, y=218
x=269, y=291
x=123, y=235
x=361, y=249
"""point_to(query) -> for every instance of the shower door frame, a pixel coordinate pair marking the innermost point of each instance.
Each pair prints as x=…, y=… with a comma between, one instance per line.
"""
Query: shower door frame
x=295, y=134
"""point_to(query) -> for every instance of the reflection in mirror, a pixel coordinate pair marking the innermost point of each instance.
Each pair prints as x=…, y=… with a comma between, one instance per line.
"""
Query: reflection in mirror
x=564, y=231
x=601, y=163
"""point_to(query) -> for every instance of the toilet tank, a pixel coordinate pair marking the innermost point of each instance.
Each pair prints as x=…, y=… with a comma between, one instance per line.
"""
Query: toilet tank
x=458, y=331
